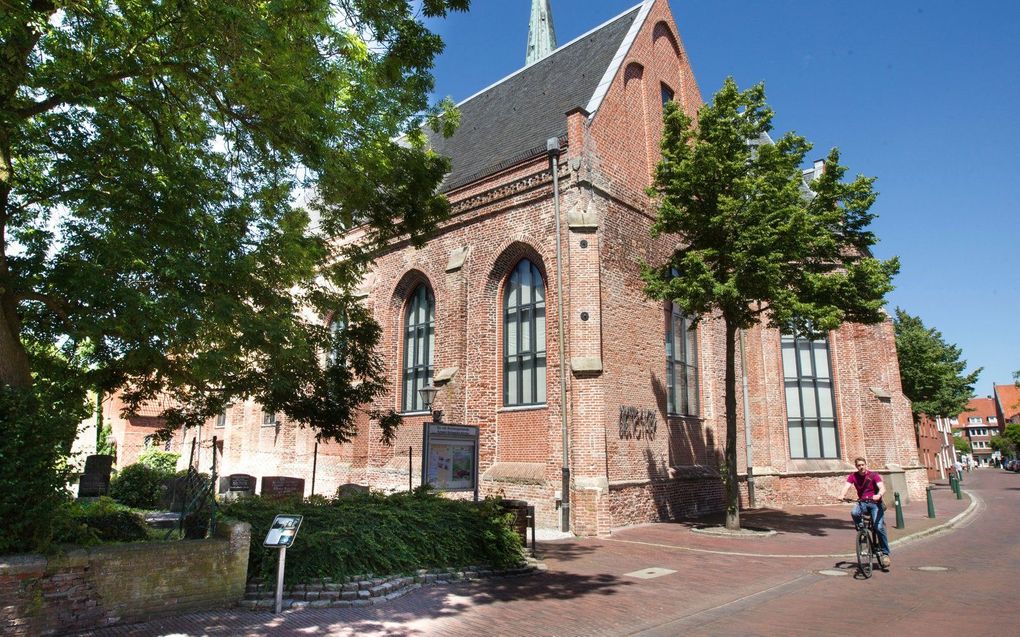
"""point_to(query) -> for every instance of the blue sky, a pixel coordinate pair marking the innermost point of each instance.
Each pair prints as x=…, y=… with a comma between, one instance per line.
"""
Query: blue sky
x=922, y=95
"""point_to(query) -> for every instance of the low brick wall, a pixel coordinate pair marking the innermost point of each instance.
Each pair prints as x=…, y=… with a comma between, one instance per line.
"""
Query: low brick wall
x=102, y=586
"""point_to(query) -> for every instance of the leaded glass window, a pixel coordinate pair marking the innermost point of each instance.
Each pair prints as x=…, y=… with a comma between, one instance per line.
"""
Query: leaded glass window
x=524, y=337
x=810, y=403
x=681, y=365
x=419, y=343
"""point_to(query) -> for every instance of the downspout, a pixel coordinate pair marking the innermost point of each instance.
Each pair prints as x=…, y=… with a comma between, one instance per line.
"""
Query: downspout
x=748, y=450
x=553, y=148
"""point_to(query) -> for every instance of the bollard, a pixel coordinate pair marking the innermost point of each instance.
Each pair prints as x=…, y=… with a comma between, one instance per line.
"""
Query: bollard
x=931, y=502
x=899, y=510
x=959, y=491
x=953, y=483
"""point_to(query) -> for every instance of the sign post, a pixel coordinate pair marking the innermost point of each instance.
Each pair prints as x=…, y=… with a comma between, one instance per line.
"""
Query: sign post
x=450, y=460
x=281, y=535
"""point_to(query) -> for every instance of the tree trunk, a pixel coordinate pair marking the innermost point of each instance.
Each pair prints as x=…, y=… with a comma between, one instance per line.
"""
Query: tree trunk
x=15, y=369
x=730, y=479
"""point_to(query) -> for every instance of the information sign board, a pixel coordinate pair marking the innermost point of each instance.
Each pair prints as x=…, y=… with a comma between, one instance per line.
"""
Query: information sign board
x=451, y=457
x=283, y=531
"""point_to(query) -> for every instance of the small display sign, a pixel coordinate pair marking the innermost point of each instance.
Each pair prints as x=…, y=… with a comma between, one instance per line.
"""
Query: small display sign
x=451, y=457
x=281, y=535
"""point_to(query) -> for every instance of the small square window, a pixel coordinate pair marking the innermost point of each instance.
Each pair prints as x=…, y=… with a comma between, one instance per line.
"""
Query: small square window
x=269, y=419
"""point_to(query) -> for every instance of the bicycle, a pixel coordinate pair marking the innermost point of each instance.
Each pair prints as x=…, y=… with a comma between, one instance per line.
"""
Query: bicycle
x=866, y=542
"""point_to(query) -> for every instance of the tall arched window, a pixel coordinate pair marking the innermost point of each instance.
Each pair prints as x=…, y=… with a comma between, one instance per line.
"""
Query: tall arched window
x=681, y=365
x=419, y=340
x=810, y=404
x=524, y=337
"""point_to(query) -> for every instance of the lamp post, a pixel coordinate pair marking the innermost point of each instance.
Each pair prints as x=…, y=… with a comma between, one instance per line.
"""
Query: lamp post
x=428, y=396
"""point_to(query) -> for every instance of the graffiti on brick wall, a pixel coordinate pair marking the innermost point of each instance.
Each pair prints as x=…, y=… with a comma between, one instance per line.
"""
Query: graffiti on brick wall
x=637, y=423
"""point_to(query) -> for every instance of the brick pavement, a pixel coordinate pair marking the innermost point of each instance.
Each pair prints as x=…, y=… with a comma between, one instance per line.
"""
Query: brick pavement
x=589, y=587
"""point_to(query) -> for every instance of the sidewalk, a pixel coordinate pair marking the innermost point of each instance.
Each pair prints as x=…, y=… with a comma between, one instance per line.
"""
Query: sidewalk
x=800, y=531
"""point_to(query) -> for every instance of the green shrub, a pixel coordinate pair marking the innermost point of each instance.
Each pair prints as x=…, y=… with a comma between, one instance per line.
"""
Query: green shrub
x=139, y=485
x=381, y=535
x=39, y=425
x=85, y=523
x=164, y=461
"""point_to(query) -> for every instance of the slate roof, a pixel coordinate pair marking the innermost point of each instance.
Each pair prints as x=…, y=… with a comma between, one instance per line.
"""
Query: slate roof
x=510, y=121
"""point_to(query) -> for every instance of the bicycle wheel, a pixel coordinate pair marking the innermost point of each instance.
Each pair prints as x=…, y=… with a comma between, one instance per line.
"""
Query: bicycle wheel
x=865, y=554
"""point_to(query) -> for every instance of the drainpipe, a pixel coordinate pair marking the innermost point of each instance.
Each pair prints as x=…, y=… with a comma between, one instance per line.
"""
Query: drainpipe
x=553, y=148
x=747, y=425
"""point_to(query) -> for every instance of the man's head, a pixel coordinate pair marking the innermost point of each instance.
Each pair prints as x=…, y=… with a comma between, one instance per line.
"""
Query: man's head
x=861, y=464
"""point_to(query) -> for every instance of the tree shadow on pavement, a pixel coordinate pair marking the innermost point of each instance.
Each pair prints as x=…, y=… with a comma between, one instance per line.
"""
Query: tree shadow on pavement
x=783, y=522
x=563, y=551
x=416, y=613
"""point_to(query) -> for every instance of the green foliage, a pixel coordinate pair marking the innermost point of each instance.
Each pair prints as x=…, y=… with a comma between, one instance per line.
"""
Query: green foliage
x=106, y=445
x=1002, y=445
x=140, y=485
x=149, y=158
x=149, y=154
x=931, y=371
x=1008, y=442
x=758, y=244
x=85, y=523
x=162, y=461
x=961, y=444
x=381, y=535
x=39, y=425
x=755, y=247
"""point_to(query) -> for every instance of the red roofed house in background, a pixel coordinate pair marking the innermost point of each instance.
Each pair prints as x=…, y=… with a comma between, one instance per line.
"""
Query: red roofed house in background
x=977, y=424
x=1007, y=404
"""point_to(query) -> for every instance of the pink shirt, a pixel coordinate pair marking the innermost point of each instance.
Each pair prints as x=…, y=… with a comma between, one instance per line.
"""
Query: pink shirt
x=866, y=485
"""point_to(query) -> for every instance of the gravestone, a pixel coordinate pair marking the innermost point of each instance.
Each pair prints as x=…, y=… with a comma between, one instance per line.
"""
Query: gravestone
x=282, y=487
x=237, y=485
x=350, y=489
x=95, y=481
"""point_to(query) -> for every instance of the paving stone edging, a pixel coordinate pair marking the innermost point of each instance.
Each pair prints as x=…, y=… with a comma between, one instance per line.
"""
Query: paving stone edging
x=371, y=591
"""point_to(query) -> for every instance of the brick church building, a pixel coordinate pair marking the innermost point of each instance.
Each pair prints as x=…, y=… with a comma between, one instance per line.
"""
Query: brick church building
x=551, y=349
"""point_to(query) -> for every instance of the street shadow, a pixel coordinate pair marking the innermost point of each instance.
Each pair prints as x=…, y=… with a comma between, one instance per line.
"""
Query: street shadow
x=565, y=551
x=400, y=616
x=783, y=522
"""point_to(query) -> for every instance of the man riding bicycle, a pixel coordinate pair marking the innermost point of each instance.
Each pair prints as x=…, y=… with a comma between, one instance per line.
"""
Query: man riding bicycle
x=870, y=490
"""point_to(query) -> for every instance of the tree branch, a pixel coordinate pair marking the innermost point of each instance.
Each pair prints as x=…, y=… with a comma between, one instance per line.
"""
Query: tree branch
x=57, y=306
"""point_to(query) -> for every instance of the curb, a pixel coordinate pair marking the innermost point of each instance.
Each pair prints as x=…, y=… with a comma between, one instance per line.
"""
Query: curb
x=945, y=526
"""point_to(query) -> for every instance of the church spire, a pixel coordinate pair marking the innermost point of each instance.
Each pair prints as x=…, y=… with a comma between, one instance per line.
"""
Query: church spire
x=541, y=34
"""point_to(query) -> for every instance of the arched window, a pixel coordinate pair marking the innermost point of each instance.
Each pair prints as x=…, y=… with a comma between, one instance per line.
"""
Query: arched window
x=681, y=365
x=524, y=337
x=419, y=341
x=810, y=405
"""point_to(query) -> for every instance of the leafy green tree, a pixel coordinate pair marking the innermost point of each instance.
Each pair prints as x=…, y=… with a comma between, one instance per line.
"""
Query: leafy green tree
x=931, y=371
x=1008, y=442
x=961, y=444
x=150, y=152
x=756, y=247
x=1002, y=444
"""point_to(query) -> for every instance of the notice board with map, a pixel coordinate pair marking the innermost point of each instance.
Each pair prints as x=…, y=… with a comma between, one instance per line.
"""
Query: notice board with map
x=451, y=457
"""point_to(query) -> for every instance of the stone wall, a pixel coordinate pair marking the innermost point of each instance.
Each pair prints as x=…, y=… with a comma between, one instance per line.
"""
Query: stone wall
x=106, y=585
